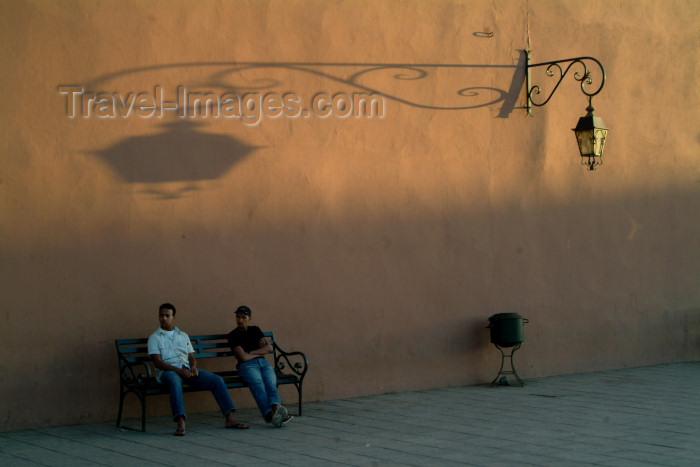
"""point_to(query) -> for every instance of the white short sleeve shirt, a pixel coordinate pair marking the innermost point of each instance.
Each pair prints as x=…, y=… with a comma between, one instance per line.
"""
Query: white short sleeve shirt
x=173, y=348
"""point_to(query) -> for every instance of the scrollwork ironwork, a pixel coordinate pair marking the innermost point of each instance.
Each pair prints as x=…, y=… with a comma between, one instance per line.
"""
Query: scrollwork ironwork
x=559, y=69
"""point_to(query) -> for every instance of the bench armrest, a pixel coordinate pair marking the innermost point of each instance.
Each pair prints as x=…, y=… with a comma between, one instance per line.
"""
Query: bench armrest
x=128, y=371
x=296, y=361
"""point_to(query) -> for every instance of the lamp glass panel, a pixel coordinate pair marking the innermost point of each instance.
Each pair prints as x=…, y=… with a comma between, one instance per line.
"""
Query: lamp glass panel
x=586, y=144
x=599, y=141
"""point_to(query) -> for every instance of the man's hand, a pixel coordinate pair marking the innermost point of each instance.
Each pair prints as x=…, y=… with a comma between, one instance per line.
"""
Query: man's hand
x=184, y=373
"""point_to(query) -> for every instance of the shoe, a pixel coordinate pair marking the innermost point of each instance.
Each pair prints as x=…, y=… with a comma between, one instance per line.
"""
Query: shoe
x=280, y=414
x=286, y=420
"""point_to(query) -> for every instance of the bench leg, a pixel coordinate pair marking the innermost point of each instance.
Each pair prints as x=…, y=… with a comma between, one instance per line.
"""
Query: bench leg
x=121, y=406
x=143, y=412
x=142, y=400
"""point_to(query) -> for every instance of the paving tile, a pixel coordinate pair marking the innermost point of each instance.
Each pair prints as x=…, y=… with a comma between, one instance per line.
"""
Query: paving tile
x=31, y=452
x=14, y=461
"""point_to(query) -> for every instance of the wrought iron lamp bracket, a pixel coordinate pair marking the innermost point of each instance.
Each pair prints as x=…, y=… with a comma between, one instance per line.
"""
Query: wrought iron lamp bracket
x=561, y=68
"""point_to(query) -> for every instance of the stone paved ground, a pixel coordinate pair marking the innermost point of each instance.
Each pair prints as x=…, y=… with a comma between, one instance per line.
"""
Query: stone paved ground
x=628, y=417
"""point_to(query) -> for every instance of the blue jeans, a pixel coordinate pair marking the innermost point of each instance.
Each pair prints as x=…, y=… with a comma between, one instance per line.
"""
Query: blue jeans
x=204, y=380
x=260, y=378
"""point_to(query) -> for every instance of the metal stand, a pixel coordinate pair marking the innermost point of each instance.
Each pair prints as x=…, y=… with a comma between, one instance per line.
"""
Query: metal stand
x=512, y=367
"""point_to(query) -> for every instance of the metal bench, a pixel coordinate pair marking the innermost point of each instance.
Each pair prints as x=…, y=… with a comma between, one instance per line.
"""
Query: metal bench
x=137, y=373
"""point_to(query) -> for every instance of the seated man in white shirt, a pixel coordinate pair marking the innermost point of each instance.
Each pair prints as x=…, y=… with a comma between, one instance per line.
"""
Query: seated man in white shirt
x=173, y=356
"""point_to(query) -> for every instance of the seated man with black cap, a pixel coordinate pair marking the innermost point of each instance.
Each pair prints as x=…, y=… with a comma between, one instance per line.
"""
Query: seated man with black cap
x=250, y=347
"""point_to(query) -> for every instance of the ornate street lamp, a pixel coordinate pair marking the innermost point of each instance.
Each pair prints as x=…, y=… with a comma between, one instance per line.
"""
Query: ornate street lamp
x=590, y=135
x=590, y=131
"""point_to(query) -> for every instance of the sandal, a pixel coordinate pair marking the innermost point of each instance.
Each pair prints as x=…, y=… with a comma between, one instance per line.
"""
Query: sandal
x=180, y=432
x=238, y=426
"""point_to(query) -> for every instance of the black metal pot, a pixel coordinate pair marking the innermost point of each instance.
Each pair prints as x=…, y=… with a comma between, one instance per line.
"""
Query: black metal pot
x=507, y=329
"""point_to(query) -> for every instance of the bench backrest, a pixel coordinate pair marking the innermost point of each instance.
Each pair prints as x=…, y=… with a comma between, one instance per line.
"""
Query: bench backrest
x=205, y=346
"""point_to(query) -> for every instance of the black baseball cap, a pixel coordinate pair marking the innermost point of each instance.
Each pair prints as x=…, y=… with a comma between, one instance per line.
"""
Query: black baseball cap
x=243, y=309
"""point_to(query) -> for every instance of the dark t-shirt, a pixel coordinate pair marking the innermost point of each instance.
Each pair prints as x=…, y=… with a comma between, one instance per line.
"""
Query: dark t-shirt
x=249, y=339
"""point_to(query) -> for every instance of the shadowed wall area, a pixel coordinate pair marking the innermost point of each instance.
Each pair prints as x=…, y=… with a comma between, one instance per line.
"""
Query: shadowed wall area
x=358, y=172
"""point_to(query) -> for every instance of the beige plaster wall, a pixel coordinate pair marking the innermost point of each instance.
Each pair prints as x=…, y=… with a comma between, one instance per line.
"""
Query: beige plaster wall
x=379, y=246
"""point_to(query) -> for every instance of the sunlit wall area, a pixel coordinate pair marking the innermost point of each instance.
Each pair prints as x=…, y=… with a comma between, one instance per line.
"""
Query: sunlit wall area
x=362, y=174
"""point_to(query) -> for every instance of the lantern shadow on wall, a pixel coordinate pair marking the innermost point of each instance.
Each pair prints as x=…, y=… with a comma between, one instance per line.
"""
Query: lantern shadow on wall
x=179, y=153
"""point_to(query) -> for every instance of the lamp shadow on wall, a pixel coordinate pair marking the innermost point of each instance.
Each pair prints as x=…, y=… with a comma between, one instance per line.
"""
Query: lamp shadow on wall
x=179, y=153
x=183, y=152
